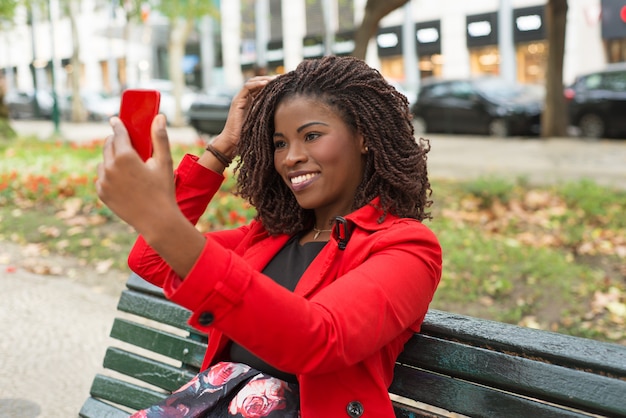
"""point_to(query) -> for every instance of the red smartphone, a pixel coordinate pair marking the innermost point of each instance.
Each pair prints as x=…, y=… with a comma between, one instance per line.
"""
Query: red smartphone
x=137, y=110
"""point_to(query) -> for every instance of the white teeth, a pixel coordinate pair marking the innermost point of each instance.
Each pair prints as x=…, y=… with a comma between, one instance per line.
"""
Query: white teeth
x=302, y=179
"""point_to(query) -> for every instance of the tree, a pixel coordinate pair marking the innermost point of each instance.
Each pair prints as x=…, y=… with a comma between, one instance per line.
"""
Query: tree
x=7, y=10
x=554, y=116
x=182, y=17
x=375, y=10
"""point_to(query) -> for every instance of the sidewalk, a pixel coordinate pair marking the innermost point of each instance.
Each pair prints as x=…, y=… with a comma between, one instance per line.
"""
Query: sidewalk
x=55, y=331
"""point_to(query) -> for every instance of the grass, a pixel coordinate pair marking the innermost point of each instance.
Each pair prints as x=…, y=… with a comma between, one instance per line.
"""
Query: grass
x=550, y=257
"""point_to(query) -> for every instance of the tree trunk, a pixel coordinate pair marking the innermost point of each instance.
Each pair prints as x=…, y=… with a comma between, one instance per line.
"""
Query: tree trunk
x=179, y=32
x=6, y=132
x=554, y=118
x=78, y=113
x=375, y=10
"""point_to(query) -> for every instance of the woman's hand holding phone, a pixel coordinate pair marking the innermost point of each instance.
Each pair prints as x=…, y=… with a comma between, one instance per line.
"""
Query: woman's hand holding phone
x=137, y=111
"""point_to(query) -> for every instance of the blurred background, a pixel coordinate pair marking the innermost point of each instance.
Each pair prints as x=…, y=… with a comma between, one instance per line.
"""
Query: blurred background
x=70, y=59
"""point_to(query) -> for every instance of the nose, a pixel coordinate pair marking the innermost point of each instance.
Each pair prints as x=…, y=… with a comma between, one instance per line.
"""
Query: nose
x=296, y=153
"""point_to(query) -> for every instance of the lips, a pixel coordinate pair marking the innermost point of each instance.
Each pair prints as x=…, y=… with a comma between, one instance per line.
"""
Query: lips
x=300, y=181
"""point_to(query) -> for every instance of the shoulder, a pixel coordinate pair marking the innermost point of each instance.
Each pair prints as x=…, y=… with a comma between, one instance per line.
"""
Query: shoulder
x=396, y=230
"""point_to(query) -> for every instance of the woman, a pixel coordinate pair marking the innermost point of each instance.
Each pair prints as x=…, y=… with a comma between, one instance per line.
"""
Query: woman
x=322, y=290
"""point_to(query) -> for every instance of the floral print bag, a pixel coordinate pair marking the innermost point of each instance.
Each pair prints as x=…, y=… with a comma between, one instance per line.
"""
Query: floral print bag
x=229, y=390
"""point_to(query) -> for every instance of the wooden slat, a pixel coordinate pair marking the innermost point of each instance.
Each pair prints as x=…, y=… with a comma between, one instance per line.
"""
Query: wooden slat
x=93, y=408
x=148, y=370
x=468, y=399
x=407, y=412
x=582, y=353
x=124, y=393
x=138, y=284
x=173, y=346
x=156, y=309
x=574, y=388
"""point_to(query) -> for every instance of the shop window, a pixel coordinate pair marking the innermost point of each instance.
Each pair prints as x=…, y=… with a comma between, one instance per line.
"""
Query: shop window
x=616, y=50
x=484, y=61
x=531, y=62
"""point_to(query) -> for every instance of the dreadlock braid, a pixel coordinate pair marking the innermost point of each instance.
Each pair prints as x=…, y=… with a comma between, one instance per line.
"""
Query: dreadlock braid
x=395, y=169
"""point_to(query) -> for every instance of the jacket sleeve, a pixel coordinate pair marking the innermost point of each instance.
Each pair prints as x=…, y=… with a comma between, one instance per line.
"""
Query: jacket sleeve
x=195, y=187
x=349, y=320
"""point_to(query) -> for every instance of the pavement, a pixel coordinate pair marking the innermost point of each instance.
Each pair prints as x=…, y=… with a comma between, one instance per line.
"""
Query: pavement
x=55, y=326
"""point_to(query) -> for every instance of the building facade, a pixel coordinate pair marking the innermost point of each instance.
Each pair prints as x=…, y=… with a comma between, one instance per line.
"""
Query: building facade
x=447, y=38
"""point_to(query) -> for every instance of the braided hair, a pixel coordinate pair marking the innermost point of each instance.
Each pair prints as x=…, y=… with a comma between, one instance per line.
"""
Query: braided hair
x=395, y=170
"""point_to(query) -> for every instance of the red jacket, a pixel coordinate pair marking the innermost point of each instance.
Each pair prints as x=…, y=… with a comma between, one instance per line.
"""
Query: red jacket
x=342, y=328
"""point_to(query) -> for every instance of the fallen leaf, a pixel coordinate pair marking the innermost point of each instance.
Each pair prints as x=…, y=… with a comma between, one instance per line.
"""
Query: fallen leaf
x=104, y=266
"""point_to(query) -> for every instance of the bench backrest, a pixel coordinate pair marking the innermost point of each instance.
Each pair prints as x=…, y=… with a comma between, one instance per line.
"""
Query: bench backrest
x=460, y=364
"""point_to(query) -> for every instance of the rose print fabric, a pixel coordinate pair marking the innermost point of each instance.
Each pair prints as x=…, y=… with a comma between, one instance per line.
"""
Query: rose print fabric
x=229, y=390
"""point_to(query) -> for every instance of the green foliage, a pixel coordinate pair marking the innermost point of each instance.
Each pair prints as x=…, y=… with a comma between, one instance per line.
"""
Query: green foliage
x=188, y=9
x=7, y=9
x=595, y=203
x=489, y=189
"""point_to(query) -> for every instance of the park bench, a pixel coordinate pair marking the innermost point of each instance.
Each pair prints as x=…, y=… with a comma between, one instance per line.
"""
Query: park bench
x=457, y=365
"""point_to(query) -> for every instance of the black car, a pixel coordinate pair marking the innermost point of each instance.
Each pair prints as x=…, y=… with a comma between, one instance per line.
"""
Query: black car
x=597, y=102
x=209, y=110
x=483, y=106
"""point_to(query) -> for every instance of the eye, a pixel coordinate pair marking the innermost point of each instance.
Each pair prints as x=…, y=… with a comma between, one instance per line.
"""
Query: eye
x=279, y=143
x=310, y=136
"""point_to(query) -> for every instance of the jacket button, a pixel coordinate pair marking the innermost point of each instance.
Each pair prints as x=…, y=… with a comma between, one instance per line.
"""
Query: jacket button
x=354, y=409
x=205, y=318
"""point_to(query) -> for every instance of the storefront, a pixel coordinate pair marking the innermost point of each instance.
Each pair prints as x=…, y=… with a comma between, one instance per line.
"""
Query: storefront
x=428, y=43
x=531, y=49
x=389, y=43
x=482, y=43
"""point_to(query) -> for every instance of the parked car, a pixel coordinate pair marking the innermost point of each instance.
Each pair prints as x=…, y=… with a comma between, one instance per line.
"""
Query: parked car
x=168, y=104
x=21, y=104
x=484, y=106
x=597, y=102
x=98, y=105
x=208, y=113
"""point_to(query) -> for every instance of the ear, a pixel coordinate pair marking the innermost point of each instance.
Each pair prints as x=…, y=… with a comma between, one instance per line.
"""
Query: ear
x=364, y=148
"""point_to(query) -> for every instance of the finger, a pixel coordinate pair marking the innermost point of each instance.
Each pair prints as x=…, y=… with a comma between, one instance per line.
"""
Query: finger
x=108, y=150
x=121, y=140
x=160, y=139
x=251, y=87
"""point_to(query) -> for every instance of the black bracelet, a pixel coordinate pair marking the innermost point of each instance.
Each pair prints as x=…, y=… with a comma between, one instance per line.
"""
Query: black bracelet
x=219, y=155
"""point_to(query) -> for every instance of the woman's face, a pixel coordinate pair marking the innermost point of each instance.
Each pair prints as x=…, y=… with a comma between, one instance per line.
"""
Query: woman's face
x=319, y=157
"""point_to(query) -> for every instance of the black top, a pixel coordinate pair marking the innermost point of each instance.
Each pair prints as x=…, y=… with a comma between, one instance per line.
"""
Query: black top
x=286, y=269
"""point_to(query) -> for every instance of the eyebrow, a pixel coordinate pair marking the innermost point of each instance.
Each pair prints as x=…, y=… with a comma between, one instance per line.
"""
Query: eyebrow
x=301, y=128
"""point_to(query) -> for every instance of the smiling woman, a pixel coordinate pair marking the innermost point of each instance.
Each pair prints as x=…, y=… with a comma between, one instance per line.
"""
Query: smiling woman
x=328, y=159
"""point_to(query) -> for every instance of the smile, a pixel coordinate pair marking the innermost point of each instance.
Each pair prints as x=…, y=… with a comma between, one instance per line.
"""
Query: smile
x=301, y=181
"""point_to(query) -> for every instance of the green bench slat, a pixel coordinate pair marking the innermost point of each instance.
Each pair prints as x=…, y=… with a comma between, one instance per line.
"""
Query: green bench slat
x=408, y=412
x=173, y=346
x=581, y=353
x=156, y=309
x=135, y=282
x=154, y=372
x=124, y=393
x=578, y=389
x=93, y=408
x=467, y=398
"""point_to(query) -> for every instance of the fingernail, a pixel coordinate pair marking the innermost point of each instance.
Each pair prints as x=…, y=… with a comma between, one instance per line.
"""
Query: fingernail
x=160, y=122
